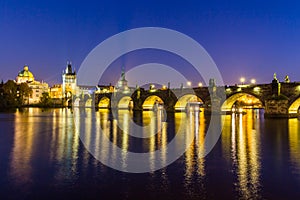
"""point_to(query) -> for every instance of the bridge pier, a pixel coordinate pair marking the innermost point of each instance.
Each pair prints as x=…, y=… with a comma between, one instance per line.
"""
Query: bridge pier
x=278, y=108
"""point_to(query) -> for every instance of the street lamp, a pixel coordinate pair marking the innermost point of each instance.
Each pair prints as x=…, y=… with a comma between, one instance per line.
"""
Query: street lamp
x=164, y=87
x=242, y=80
x=189, y=83
x=253, y=81
x=200, y=84
x=152, y=86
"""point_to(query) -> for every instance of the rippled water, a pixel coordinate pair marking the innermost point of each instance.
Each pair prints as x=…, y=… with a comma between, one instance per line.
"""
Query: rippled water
x=42, y=156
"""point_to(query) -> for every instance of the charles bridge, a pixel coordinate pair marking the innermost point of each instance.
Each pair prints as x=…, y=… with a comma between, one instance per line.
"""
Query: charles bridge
x=278, y=99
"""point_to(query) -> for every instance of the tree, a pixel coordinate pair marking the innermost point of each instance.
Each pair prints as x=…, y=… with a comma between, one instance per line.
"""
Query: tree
x=9, y=95
x=46, y=100
x=24, y=91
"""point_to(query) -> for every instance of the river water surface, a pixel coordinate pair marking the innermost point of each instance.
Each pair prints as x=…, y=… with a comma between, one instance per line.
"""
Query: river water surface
x=42, y=157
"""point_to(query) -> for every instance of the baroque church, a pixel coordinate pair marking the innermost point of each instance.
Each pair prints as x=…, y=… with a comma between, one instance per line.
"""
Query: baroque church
x=38, y=88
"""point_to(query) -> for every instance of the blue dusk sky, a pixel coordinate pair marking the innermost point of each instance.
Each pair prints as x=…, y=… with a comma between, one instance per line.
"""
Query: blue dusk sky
x=253, y=39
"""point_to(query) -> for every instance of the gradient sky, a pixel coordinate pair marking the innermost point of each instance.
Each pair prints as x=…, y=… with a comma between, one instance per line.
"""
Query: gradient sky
x=245, y=38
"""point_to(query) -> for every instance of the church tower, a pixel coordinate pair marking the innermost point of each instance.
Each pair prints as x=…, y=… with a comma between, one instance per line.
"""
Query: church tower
x=123, y=83
x=69, y=81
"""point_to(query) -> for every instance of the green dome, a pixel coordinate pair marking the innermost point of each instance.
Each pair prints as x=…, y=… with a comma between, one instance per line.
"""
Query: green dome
x=25, y=75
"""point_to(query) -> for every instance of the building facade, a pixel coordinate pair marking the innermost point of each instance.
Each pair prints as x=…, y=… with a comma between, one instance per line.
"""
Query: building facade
x=69, y=80
x=38, y=88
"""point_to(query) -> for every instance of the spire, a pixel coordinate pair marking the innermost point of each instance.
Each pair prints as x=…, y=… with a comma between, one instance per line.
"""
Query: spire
x=123, y=74
x=69, y=67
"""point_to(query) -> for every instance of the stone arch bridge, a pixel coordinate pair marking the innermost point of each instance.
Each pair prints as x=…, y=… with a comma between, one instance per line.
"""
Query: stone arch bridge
x=278, y=99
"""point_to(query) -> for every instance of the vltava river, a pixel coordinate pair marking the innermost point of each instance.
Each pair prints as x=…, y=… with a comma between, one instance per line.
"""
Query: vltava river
x=43, y=157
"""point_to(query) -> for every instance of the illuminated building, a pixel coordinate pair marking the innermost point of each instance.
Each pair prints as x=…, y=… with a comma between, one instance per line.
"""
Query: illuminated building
x=64, y=92
x=38, y=88
x=69, y=81
x=56, y=91
x=25, y=76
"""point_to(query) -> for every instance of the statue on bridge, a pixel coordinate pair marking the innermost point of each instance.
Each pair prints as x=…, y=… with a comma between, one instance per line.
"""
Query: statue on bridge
x=275, y=76
x=287, y=79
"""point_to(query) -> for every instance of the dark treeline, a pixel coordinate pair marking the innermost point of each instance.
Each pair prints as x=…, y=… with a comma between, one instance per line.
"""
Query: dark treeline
x=13, y=95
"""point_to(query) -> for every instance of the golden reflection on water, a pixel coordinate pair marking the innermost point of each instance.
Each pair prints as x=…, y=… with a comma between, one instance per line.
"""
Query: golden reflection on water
x=200, y=137
x=149, y=120
x=51, y=130
x=241, y=140
x=23, y=148
x=194, y=122
x=64, y=143
x=156, y=127
x=103, y=150
x=120, y=131
x=294, y=144
x=124, y=120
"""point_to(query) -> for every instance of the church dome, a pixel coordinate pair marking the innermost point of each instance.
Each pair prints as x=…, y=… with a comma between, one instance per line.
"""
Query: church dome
x=25, y=75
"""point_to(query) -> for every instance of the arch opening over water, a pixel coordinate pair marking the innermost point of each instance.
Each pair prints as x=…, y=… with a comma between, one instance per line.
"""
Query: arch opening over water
x=294, y=107
x=77, y=102
x=241, y=100
x=104, y=103
x=89, y=103
x=151, y=102
x=125, y=102
x=69, y=102
x=183, y=102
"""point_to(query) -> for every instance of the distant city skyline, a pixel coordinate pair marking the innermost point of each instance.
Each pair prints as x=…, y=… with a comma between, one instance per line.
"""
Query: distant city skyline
x=252, y=39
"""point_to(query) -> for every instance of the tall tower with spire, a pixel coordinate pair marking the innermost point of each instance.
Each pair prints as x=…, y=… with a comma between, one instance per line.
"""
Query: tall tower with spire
x=69, y=81
x=123, y=83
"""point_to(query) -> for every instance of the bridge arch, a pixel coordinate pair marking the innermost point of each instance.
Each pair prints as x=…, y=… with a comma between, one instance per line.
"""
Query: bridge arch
x=77, y=102
x=125, y=102
x=89, y=103
x=104, y=102
x=182, y=102
x=246, y=98
x=151, y=101
x=294, y=107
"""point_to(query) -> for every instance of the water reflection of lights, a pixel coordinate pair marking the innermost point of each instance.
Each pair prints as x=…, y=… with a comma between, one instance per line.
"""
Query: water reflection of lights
x=63, y=143
x=245, y=153
x=123, y=116
x=294, y=144
x=120, y=135
x=237, y=110
x=23, y=147
x=200, y=137
x=193, y=121
x=195, y=128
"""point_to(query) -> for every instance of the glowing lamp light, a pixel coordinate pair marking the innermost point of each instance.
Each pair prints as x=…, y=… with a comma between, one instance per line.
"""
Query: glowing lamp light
x=200, y=84
x=152, y=88
x=189, y=83
x=242, y=80
x=256, y=89
x=228, y=90
x=253, y=81
x=164, y=87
